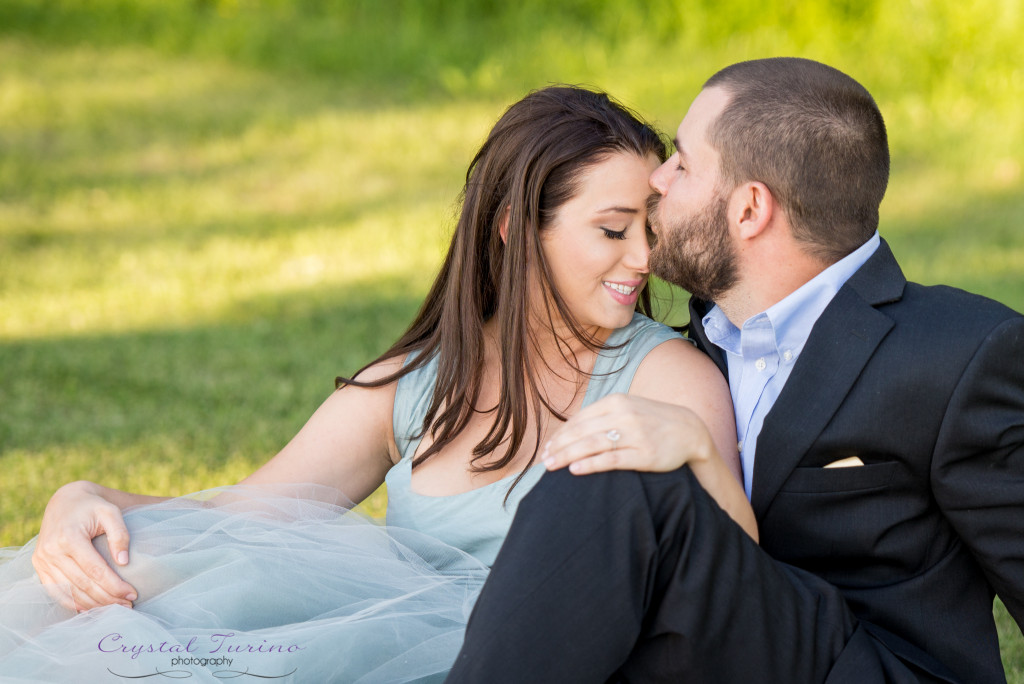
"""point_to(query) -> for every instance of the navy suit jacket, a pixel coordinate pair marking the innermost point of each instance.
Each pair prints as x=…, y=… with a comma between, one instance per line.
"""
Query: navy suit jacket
x=926, y=386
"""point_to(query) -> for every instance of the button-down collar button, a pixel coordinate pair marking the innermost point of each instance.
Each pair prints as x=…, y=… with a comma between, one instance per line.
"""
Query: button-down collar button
x=760, y=364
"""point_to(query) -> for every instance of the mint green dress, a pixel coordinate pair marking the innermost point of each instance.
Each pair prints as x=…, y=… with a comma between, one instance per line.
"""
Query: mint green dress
x=279, y=585
x=478, y=520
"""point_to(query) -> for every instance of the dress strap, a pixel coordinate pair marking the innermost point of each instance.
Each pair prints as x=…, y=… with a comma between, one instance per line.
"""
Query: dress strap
x=629, y=346
x=412, y=399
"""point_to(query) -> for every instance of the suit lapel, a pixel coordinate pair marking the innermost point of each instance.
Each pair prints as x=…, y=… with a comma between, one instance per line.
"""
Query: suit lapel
x=841, y=343
x=698, y=309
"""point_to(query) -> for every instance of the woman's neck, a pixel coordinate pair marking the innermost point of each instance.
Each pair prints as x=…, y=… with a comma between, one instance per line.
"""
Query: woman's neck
x=559, y=361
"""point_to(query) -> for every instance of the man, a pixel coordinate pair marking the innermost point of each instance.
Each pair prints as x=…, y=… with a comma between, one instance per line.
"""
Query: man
x=881, y=431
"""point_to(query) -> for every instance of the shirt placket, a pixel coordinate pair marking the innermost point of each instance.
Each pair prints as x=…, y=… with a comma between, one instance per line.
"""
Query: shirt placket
x=760, y=361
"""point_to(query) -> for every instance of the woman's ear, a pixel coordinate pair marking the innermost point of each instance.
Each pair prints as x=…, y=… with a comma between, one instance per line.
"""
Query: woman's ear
x=754, y=208
x=503, y=224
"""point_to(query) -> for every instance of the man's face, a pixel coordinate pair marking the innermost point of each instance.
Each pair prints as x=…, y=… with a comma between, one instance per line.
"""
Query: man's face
x=689, y=213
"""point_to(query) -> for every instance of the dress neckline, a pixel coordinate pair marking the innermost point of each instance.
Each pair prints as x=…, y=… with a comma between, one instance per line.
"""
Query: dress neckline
x=406, y=465
x=414, y=447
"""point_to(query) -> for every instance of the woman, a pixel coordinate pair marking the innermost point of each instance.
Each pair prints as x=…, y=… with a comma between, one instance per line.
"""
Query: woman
x=532, y=317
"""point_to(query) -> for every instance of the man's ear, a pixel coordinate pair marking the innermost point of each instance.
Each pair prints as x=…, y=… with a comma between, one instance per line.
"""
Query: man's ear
x=503, y=224
x=753, y=207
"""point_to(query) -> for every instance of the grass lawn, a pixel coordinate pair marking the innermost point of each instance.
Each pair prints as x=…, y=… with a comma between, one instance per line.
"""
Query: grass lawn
x=209, y=210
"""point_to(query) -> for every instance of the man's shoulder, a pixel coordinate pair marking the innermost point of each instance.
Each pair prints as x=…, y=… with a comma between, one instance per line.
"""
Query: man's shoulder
x=946, y=305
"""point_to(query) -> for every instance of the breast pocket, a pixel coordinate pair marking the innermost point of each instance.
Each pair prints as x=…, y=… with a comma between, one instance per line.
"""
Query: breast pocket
x=817, y=480
x=840, y=522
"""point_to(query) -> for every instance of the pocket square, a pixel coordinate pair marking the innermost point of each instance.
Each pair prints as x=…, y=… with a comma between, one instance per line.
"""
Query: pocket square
x=849, y=462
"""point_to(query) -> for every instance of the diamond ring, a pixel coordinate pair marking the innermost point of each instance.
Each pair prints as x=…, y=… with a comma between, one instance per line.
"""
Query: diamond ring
x=613, y=436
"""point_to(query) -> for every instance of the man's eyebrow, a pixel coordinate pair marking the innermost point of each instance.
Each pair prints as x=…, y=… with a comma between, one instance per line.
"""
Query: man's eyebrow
x=679, y=148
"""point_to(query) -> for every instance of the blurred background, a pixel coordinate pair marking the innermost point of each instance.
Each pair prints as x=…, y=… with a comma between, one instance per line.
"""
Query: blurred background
x=211, y=208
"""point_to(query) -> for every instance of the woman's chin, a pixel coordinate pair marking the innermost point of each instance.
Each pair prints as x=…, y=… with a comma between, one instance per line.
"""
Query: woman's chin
x=612, y=321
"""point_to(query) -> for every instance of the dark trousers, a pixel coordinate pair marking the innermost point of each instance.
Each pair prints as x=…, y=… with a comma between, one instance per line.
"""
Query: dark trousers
x=641, y=577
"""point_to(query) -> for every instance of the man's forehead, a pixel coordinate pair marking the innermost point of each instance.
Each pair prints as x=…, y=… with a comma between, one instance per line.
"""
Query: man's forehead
x=703, y=111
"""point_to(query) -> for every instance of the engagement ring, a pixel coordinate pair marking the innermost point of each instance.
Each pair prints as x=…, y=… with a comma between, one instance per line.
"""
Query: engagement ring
x=614, y=436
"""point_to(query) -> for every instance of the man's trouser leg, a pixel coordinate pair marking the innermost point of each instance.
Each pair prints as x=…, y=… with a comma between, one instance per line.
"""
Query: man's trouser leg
x=642, y=577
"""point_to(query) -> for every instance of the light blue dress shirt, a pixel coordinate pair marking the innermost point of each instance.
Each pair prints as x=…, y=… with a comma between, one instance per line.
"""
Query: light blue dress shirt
x=762, y=353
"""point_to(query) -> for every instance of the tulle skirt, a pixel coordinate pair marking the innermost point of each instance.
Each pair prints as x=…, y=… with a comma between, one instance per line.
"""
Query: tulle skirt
x=273, y=585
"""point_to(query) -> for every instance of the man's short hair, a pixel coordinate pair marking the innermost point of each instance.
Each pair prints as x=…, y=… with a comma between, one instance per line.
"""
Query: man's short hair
x=815, y=138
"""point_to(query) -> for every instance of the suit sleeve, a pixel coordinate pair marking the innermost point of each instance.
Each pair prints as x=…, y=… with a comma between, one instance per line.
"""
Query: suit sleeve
x=978, y=466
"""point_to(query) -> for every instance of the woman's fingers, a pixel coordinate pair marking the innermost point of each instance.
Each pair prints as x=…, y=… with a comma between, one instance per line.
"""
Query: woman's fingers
x=58, y=587
x=65, y=553
x=627, y=433
x=620, y=459
x=577, y=439
x=89, y=571
x=589, y=447
x=64, y=589
x=113, y=525
x=604, y=436
x=79, y=569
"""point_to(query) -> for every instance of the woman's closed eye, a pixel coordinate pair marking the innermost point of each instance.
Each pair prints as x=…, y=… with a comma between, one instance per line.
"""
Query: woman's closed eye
x=614, y=234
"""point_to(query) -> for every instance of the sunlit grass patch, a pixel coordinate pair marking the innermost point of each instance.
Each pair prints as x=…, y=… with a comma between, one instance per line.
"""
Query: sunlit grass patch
x=286, y=188
x=210, y=209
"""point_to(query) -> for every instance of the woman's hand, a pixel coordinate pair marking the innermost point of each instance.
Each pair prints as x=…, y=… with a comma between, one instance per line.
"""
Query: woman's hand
x=621, y=432
x=625, y=432
x=65, y=555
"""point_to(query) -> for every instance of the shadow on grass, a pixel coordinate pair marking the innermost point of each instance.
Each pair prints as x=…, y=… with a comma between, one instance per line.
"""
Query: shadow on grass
x=242, y=386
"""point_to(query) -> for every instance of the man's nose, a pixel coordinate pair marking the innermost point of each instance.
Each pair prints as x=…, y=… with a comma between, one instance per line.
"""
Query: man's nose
x=659, y=180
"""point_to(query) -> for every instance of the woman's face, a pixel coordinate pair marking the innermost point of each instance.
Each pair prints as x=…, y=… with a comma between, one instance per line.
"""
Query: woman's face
x=597, y=245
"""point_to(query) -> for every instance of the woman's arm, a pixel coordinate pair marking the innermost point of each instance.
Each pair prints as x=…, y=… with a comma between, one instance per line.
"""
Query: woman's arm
x=347, y=445
x=678, y=411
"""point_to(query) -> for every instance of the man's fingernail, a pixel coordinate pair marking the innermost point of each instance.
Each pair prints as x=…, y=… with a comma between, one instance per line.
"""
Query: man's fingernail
x=131, y=596
x=122, y=558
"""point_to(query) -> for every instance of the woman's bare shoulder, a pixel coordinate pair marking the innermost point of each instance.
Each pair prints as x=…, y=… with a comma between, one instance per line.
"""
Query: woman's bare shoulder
x=379, y=370
x=675, y=366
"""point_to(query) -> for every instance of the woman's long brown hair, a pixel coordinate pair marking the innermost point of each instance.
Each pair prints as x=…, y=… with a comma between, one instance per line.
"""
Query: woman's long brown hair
x=528, y=167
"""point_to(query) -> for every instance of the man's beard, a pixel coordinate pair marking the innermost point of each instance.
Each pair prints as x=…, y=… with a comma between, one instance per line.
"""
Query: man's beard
x=694, y=253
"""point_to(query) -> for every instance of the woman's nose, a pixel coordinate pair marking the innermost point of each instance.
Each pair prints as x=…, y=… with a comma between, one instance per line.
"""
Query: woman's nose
x=638, y=250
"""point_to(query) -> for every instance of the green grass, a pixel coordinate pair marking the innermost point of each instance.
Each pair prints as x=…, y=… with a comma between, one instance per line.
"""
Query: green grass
x=209, y=209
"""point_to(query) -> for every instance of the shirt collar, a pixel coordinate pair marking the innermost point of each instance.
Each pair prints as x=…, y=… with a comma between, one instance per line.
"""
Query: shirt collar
x=793, y=317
